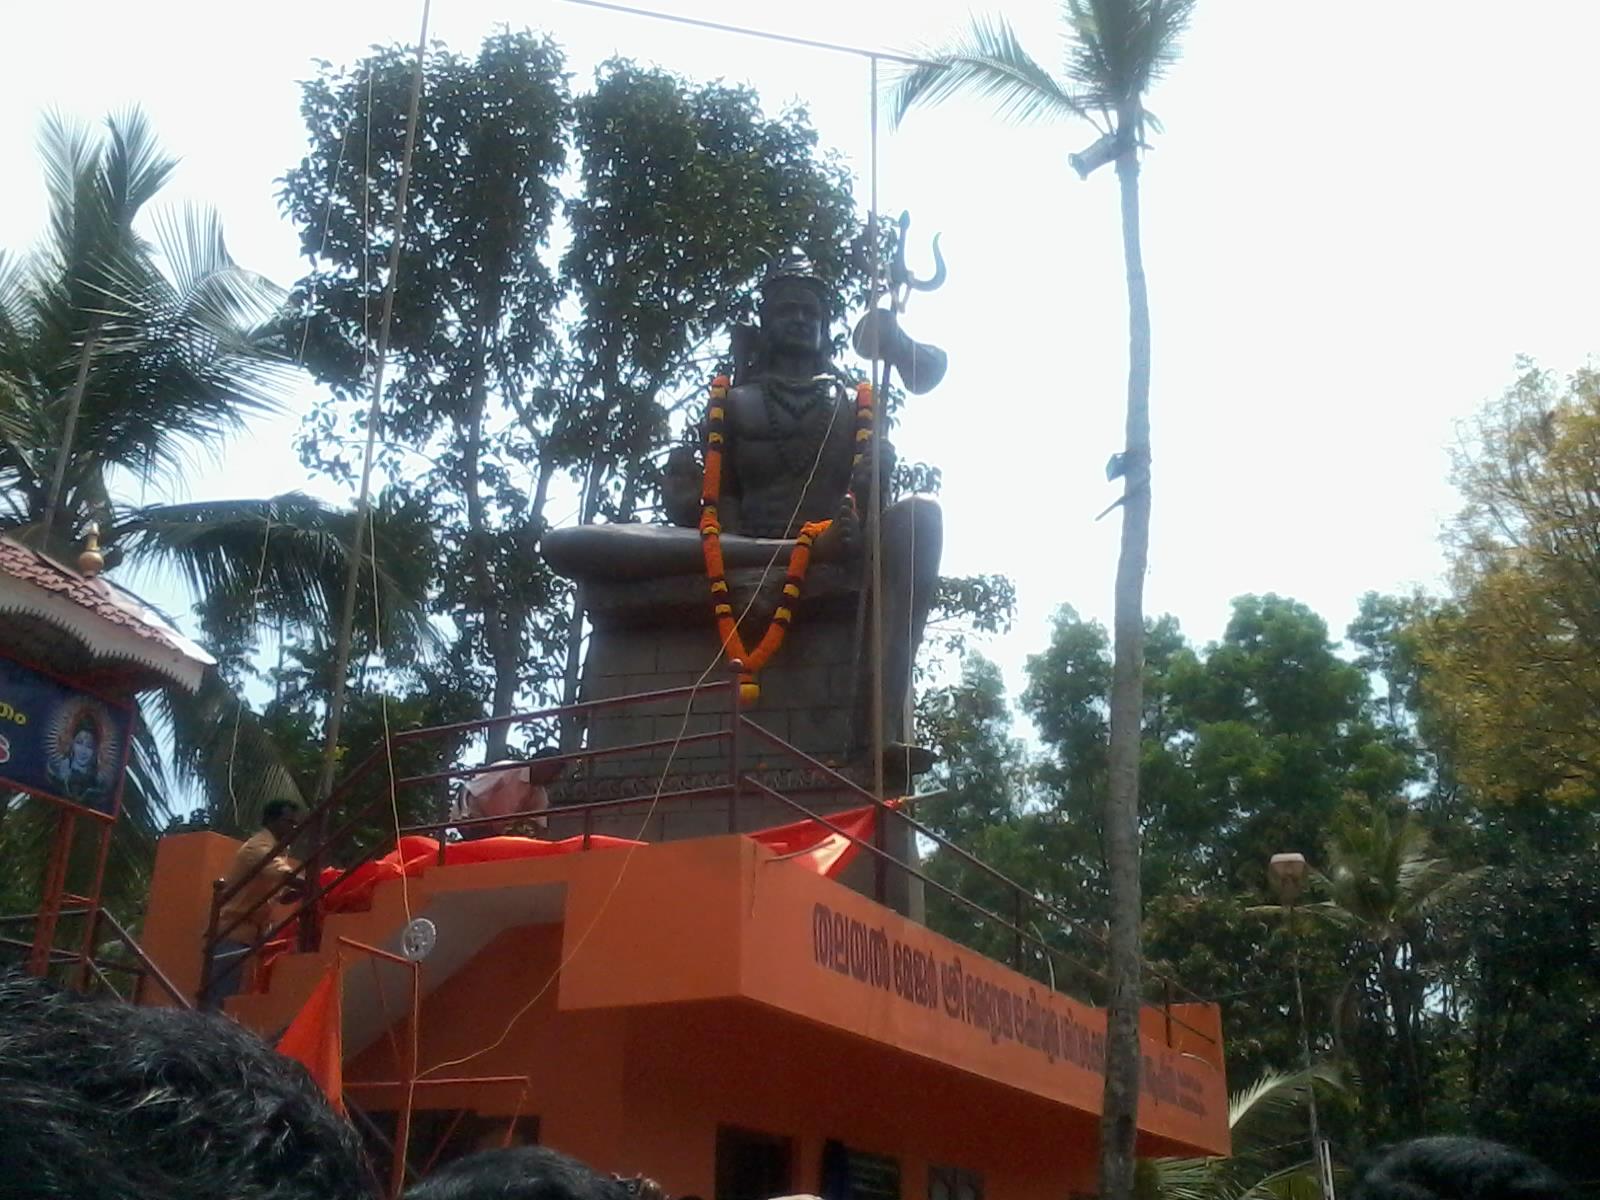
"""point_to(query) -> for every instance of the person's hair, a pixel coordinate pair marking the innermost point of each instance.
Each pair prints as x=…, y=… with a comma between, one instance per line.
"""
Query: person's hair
x=273, y=809
x=517, y=1173
x=1456, y=1168
x=641, y=1187
x=102, y=1098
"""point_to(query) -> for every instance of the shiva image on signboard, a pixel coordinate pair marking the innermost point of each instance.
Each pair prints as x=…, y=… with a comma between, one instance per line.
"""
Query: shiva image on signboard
x=83, y=753
x=60, y=742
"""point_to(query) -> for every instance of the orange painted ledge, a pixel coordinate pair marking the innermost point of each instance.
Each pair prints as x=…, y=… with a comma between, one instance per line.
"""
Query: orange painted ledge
x=723, y=919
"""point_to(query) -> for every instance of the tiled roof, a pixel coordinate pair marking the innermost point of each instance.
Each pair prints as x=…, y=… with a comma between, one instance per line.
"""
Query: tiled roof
x=93, y=595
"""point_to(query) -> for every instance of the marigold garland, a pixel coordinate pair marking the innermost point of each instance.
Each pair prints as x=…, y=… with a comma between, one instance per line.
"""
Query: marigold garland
x=733, y=645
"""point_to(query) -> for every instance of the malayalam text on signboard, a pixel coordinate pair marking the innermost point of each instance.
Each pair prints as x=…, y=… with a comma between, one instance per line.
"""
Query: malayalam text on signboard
x=966, y=994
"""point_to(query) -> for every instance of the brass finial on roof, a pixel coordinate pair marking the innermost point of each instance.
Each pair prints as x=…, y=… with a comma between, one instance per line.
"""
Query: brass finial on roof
x=91, y=562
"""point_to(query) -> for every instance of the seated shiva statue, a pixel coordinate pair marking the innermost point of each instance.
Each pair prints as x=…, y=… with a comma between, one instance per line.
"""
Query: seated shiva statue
x=788, y=458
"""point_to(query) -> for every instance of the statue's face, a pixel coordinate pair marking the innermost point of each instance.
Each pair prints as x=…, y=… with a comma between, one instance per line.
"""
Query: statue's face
x=793, y=321
x=83, y=749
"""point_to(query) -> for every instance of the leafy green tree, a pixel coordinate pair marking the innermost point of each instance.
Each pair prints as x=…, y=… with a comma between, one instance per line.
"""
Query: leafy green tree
x=983, y=774
x=507, y=376
x=1223, y=950
x=1250, y=742
x=1116, y=50
x=990, y=809
x=1512, y=665
x=1519, y=948
x=469, y=401
x=1278, y=729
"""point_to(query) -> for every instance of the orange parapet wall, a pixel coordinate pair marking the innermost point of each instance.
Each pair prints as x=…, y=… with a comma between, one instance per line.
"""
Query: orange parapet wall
x=656, y=997
x=187, y=864
x=744, y=923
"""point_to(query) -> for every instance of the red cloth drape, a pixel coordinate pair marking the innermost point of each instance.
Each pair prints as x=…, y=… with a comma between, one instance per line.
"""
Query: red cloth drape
x=809, y=843
x=315, y=1038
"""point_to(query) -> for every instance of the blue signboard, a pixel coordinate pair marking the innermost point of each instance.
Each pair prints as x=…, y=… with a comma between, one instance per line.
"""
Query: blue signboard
x=60, y=742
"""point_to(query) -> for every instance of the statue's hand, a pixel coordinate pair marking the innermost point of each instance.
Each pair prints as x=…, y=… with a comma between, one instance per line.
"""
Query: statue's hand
x=861, y=476
x=841, y=540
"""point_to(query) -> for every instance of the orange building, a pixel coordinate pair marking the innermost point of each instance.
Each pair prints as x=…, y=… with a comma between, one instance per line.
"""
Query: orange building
x=712, y=1014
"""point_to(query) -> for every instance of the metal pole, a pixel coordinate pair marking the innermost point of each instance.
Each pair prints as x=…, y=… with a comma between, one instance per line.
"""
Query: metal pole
x=92, y=924
x=1318, y=1151
x=55, y=880
x=208, y=946
x=402, y=1132
x=735, y=669
x=875, y=486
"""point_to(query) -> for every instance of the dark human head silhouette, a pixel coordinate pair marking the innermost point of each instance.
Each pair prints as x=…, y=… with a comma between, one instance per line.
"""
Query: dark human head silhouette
x=1456, y=1168
x=279, y=817
x=517, y=1173
x=102, y=1098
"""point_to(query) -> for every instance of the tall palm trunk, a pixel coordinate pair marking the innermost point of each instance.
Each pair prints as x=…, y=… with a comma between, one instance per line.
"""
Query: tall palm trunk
x=1120, y=1106
x=53, y=515
x=1397, y=992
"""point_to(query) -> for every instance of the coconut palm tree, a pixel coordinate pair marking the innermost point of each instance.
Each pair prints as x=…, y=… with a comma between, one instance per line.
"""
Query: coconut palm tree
x=1267, y=1123
x=1382, y=884
x=1116, y=49
x=121, y=358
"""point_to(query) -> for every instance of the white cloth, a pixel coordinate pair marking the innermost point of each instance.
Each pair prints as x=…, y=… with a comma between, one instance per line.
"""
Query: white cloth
x=500, y=793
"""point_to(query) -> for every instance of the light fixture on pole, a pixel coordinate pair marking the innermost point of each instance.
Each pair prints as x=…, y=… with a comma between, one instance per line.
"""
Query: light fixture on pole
x=1287, y=873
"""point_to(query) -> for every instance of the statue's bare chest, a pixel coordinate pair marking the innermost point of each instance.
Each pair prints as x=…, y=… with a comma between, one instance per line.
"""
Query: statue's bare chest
x=788, y=433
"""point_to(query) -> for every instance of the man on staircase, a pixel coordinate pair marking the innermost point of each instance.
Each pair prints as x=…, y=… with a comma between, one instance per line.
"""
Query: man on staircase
x=248, y=913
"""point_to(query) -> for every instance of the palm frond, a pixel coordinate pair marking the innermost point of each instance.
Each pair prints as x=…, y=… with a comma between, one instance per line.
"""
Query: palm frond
x=71, y=156
x=178, y=366
x=1263, y=1119
x=1326, y=910
x=181, y=340
x=135, y=167
x=212, y=289
x=1116, y=49
x=1256, y=1113
x=1298, y=1181
x=989, y=61
x=286, y=557
x=220, y=747
x=13, y=299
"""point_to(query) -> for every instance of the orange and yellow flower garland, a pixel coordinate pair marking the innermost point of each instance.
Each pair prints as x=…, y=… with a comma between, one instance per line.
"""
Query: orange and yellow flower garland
x=799, y=558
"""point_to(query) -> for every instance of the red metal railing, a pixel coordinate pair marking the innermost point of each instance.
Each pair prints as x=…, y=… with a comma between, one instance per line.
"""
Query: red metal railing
x=1020, y=925
x=91, y=964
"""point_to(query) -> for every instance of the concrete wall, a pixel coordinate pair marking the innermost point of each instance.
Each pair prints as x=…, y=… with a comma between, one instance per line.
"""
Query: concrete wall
x=644, y=1090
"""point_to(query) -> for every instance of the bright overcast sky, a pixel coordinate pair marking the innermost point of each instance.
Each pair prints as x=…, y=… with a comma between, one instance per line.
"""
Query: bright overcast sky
x=1359, y=214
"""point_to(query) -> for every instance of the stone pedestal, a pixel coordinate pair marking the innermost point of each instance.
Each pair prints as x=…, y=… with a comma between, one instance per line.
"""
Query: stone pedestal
x=650, y=637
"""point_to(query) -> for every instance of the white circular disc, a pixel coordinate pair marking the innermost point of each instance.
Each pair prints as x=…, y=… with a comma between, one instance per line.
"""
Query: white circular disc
x=418, y=940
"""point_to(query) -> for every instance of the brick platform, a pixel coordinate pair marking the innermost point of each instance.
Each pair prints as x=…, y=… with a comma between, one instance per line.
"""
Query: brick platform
x=663, y=636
